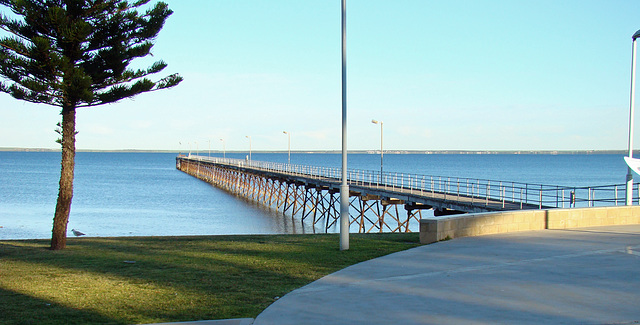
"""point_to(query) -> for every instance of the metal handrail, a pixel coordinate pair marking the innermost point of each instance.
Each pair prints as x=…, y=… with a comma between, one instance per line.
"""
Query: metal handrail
x=481, y=191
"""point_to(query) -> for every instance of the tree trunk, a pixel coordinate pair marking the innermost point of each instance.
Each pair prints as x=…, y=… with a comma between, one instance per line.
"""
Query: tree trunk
x=65, y=192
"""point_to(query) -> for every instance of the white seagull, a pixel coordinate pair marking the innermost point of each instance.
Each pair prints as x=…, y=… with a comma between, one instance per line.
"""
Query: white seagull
x=77, y=233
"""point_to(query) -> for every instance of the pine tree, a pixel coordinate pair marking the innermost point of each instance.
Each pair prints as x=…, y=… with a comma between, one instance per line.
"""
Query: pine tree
x=76, y=53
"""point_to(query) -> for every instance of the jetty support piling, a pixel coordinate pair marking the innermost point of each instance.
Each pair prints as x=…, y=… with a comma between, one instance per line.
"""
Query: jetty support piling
x=313, y=193
x=313, y=199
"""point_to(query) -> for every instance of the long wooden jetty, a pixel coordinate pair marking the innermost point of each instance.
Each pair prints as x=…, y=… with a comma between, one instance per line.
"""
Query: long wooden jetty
x=380, y=202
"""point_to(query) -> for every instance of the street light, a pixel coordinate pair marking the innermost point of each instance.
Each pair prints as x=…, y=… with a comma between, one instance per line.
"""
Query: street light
x=344, y=186
x=249, y=137
x=289, y=146
x=224, y=150
x=381, y=152
x=629, y=189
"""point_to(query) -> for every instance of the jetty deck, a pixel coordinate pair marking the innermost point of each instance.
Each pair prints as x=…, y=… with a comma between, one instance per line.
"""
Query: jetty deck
x=313, y=192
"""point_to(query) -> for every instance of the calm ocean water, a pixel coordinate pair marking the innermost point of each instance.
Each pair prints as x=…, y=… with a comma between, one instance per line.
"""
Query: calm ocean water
x=142, y=194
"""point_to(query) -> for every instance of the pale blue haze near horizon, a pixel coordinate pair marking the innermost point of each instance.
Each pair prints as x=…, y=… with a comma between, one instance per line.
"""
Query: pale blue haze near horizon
x=442, y=75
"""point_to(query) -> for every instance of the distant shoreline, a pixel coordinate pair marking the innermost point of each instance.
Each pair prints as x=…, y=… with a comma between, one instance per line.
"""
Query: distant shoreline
x=425, y=152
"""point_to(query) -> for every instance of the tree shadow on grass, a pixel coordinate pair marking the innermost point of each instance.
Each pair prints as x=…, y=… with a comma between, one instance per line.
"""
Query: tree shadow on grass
x=166, y=279
x=19, y=309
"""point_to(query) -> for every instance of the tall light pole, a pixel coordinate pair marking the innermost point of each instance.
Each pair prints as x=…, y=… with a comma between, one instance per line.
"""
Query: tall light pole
x=289, y=145
x=629, y=189
x=381, y=149
x=224, y=150
x=249, y=137
x=209, y=148
x=344, y=187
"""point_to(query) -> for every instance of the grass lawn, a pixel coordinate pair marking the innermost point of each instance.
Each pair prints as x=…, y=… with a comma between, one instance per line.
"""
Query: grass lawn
x=137, y=280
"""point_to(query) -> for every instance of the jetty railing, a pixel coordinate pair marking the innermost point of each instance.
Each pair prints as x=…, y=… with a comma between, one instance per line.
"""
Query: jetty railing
x=478, y=190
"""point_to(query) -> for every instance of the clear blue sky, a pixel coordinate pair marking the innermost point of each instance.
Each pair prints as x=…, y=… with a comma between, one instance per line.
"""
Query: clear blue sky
x=442, y=75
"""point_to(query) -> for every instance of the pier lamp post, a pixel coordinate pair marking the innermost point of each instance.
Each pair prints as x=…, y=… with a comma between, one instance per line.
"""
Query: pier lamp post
x=224, y=150
x=381, y=149
x=344, y=187
x=289, y=145
x=629, y=187
x=249, y=137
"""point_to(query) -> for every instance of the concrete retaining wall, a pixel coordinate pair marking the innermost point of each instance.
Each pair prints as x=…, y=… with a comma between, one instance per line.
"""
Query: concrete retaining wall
x=475, y=224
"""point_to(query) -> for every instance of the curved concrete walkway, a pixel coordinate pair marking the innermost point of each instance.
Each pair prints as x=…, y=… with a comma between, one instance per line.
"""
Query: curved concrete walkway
x=579, y=276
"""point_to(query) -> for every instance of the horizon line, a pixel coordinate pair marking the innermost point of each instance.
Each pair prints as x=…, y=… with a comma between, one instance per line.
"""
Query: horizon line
x=355, y=151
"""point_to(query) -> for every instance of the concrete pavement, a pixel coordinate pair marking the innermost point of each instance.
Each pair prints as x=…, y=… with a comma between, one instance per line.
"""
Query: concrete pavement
x=578, y=276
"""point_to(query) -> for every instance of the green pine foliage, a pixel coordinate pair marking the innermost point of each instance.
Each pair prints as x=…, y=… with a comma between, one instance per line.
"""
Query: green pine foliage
x=79, y=51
